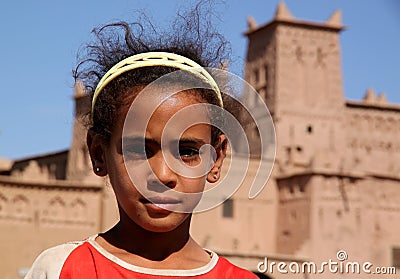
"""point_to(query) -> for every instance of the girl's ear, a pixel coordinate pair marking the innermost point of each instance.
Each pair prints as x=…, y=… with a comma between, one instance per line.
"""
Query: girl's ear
x=215, y=173
x=96, y=146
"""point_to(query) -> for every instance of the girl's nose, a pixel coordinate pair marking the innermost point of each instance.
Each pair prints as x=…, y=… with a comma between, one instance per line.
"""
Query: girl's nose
x=162, y=173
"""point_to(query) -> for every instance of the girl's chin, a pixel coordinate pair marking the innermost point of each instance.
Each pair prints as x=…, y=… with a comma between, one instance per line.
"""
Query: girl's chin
x=162, y=223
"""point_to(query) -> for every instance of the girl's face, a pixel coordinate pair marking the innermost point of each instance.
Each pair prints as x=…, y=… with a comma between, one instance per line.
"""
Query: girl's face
x=131, y=165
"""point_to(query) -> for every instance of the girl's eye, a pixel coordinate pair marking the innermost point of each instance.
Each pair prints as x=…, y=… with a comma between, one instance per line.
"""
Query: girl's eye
x=188, y=153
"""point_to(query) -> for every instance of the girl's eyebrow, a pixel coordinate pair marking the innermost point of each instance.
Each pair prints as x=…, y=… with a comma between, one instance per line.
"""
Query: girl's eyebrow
x=138, y=139
x=191, y=140
x=184, y=140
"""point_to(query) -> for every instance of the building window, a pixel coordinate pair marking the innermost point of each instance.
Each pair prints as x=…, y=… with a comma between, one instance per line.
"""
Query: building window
x=256, y=75
x=227, y=208
x=396, y=257
x=266, y=73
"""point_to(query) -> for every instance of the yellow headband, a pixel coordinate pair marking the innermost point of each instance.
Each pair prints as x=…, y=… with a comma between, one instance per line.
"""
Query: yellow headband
x=148, y=59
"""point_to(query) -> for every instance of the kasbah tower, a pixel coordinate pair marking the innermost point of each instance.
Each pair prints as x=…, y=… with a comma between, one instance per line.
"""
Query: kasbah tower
x=335, y=184
x=337, y=170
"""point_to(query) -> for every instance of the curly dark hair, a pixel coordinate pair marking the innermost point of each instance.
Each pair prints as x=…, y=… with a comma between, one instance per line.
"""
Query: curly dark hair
x=190, y=34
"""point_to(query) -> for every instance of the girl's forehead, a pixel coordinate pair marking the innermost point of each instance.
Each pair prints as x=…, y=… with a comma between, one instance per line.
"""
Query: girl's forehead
x=163, y=102
x=177, y=112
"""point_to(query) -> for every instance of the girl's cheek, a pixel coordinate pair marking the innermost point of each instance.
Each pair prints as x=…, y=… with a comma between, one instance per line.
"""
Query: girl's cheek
x=138, y=173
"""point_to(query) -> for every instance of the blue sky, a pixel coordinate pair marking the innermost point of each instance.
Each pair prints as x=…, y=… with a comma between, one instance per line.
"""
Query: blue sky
x=40, y=39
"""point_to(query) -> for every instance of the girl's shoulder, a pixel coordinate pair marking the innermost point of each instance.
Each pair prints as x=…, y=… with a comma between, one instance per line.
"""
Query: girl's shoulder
x=49, y=263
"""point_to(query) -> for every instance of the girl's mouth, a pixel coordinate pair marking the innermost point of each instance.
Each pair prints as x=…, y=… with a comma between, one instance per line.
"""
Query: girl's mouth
x=160, y=204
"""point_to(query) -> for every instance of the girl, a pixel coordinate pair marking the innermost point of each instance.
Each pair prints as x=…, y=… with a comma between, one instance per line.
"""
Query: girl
x=157, y=159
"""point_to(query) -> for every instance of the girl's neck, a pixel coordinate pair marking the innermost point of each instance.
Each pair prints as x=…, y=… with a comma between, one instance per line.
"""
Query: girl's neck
x=126, y=235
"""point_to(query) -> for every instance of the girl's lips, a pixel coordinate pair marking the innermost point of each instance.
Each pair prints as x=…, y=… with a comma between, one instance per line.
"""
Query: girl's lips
x=160, y=204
